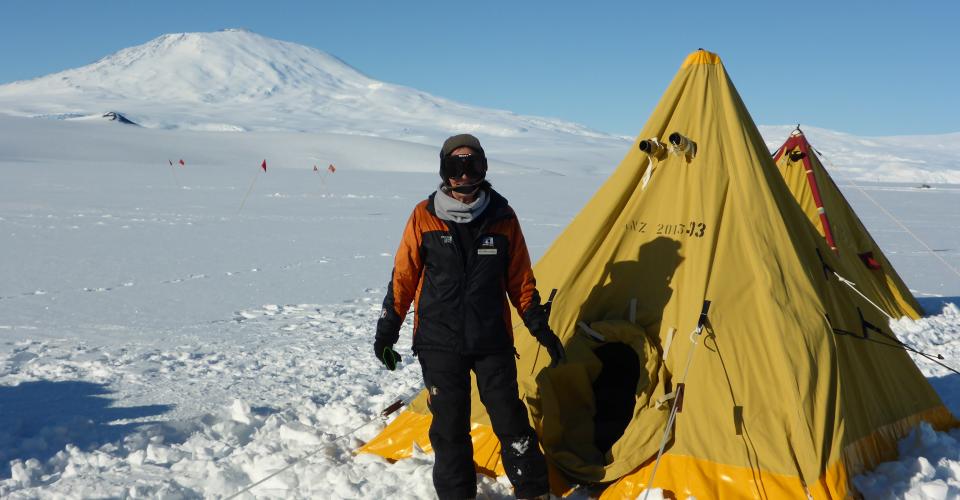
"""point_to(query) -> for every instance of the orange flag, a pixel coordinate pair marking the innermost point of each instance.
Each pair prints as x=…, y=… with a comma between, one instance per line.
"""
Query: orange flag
x=331, y=168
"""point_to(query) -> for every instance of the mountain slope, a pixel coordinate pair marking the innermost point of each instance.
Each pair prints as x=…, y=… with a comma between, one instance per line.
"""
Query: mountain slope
x=238, y=80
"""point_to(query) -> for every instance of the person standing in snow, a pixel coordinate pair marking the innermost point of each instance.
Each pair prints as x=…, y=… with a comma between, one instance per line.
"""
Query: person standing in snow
x=461, y=258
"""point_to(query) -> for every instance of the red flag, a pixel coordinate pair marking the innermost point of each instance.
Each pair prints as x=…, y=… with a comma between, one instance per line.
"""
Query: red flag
x=264, y=165
x=181, y=162
x=171, y=162
x=315, y=169
x=331, y=168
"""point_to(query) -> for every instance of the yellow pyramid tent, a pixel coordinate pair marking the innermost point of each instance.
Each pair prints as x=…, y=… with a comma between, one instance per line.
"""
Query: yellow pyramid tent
x=788, y=386
x=835, y=220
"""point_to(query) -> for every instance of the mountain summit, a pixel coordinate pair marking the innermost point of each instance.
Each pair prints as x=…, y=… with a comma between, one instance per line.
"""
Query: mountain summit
x=238, y=80
x=220, y=67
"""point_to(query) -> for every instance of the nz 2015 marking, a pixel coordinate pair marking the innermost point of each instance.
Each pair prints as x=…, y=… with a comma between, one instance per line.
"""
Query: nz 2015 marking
x=693, y=229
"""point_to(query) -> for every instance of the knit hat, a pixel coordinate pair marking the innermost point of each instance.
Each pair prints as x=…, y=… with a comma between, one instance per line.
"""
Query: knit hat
x=459, y=141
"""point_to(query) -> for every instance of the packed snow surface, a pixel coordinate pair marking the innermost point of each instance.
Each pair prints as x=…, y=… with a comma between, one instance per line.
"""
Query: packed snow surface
x=157, y=340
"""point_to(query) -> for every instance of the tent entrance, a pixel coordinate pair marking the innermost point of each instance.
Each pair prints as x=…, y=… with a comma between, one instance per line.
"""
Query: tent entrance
x=614, y=393
x=599, y=413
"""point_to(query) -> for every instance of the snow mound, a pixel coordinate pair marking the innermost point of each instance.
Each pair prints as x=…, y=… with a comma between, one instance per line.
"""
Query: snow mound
x=222, y=453
x=928, y=468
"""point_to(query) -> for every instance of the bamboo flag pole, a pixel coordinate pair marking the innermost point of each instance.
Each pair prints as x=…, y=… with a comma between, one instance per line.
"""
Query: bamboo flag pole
x=322, y=181
x=330, y=169
x=323, y=175
x=174, y=171
x=263, y=166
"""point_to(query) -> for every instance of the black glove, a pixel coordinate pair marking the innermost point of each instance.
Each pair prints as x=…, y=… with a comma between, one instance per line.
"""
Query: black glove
x=385, y=353
x=536, y=321
x=552, y=343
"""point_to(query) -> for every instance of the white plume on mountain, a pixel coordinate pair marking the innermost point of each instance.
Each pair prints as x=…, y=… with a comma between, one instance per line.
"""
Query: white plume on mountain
x=236, y=80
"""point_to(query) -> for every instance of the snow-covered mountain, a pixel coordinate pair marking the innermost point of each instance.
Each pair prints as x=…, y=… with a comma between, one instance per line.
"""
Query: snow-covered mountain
x=239, y=80
x=235, y=80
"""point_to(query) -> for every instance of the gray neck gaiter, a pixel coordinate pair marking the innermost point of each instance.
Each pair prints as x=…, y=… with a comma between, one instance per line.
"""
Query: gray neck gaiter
x=451, y=209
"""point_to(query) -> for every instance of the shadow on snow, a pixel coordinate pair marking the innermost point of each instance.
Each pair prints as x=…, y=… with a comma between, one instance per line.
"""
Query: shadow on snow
x=934, y=305
x=948, y=387
x=39, y=418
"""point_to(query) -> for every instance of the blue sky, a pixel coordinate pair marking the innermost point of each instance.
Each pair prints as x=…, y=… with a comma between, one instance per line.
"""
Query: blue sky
x=866, y=68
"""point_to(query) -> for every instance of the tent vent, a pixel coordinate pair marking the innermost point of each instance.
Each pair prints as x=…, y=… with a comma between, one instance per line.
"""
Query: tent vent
x=869, y=260
x=654, y=148
x=655, y=151
x=681, y=145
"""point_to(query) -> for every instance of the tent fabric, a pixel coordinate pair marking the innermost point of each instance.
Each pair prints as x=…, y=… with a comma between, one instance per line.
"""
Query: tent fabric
x=828, y=210
x=794, y=385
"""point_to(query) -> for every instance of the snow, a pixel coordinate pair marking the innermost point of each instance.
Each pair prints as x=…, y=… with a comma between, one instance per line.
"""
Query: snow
x=928, y=468
x=157, y=341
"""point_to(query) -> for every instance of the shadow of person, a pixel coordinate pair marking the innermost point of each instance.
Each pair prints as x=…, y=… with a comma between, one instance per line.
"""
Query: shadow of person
x=39, y=418
x=646, y=279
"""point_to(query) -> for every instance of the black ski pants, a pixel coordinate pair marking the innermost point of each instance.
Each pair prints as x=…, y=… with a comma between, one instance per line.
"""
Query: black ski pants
x=447, y=377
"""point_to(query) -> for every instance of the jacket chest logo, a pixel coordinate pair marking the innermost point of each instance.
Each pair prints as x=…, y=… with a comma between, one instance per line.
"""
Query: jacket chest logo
x=446, y=240
x=487, y=247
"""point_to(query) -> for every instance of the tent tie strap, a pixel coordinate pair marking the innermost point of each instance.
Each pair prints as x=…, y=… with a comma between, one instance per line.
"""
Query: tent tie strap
x=663, y=400
x=666, y=348
x=590, y=332
x=675, y=395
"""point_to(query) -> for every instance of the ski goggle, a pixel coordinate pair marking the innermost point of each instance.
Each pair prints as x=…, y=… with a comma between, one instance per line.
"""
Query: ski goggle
x=454, y=166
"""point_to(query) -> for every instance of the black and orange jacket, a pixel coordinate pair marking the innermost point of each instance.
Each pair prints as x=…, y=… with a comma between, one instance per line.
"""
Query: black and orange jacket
x=460, y=294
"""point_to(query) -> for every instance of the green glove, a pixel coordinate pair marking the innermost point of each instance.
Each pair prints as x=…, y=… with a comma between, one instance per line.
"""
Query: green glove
x=385, y=353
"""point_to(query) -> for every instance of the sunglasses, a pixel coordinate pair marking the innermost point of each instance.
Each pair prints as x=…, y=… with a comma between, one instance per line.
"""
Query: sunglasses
x=455, y=166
